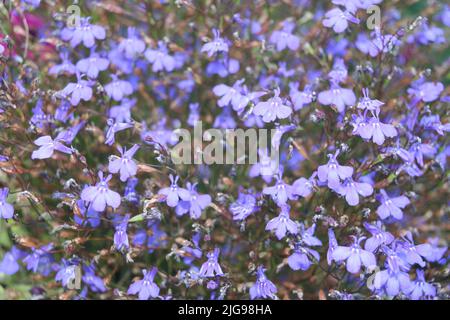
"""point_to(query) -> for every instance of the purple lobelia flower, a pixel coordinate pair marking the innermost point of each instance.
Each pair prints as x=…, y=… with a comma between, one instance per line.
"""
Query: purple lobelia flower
x=125, y=164
x=78, y=91
x=304, y=187
x=195, y=204
x=398, y=151
x=378, y=43
x=266, y=166
x=272, y=109
x=350, y=5
x=350, y=189
x=92, y=65
x=237, y=95
x=218, y=44
x=376, y=130
x=146, y=287
x=337, y=96
x=244, y=206
x=301, y=258
x=70, y=133
x=333, y=172
x=117, y=89
x=211, y=267
x=99, y=196
x=160, y=58
x=420, y=150
x=62, y=113
x=174, y=193
x=355, y=256
x=281, y=192
x=301, y=98
x=393, y=279
x=85, y=32
x=67, y=272
x=436, y=253
x=365, y=103
x=332, y=245
x=413, y=254
x=391, y=206
x=38, y=258
x=120, y=236
x=122, y=112
x=88, y=215
x=9, y=264
x=426, y=91
x=339, y=72
x=222, y=67
x=95, y=283
x=132, y=46
x=47, y=146
x=284, y=38
x=6, y=209
x=66, y=66
x=379, y=236
x=263, y=287
x=420, y=289
x=39, y=118
x=338, y=20
x=130, y=193
x=115, y=127
x=282, y=224
x=433, y=122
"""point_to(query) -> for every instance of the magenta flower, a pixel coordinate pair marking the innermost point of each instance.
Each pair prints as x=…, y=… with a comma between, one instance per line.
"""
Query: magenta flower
x=99, y=196
x=125, y=164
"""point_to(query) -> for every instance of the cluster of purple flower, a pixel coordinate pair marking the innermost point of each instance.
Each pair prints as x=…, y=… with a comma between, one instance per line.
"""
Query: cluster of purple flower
x=368, y=167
